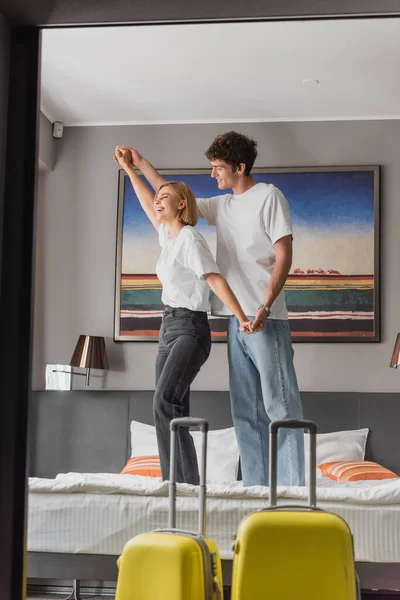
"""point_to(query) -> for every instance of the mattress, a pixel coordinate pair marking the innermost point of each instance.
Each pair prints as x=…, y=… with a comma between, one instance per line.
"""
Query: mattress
x=99, y=513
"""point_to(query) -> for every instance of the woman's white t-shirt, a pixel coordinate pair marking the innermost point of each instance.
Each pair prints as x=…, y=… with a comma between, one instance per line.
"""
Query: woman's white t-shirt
x=183, y=262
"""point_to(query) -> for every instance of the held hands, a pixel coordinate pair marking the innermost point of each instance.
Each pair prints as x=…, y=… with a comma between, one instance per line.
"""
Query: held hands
x=246, y=327
x=123, y=157
x=260, y=320
x=259, y=323
x=131, y=156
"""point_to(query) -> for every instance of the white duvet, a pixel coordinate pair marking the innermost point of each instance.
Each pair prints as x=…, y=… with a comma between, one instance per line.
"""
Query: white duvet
x=361, y=492
x=97, y=513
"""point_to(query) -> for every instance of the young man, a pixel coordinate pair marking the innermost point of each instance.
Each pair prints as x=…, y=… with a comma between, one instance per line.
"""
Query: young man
x=254, y=254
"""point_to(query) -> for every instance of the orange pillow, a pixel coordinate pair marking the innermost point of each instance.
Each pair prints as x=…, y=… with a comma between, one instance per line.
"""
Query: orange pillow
x=148, y=466
x=355, y=470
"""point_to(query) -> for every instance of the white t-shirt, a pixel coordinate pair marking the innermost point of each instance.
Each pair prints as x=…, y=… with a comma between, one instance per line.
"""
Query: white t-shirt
x=183, y=262
x=248, y=225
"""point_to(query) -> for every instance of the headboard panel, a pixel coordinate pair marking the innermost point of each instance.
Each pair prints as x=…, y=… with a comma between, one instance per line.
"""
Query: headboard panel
x=88, y=431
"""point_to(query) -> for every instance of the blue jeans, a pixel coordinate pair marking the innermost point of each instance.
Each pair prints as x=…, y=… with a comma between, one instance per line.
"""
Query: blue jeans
x=263, y=388
x=185, y=344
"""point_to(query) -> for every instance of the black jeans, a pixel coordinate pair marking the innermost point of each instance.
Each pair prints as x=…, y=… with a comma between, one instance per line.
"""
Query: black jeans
x=185, y=345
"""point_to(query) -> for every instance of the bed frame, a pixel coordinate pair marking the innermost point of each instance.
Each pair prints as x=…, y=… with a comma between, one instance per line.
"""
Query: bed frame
x=89, y=432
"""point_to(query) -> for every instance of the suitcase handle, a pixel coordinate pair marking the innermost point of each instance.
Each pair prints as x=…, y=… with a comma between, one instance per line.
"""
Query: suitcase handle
x=273, y=457
x=202, y=424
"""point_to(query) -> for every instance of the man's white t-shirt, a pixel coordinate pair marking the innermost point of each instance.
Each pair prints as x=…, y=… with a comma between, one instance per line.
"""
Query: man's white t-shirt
x=248, y=225
x=183, y=262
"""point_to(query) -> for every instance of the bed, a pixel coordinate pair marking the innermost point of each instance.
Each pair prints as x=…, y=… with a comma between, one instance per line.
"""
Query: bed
x=78, y=522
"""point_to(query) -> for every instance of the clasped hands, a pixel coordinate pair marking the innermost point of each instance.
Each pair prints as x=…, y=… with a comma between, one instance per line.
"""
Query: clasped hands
x=259, y=323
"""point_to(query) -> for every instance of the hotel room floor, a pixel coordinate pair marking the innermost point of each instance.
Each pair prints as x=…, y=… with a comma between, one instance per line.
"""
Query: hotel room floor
x=63, y=596
x=32, y=596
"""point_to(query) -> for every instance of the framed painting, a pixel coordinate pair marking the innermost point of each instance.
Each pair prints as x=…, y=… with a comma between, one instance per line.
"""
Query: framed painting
x=332, y=291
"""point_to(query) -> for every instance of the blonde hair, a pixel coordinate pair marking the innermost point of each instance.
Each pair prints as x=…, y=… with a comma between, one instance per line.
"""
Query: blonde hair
x=188, y=214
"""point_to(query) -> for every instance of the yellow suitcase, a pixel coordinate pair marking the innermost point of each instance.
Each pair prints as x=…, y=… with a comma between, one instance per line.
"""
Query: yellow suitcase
x=169, y=563
x=293, y=552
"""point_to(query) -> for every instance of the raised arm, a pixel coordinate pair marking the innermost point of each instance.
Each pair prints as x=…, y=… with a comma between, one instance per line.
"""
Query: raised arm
x=146, y=197
x=149, y=172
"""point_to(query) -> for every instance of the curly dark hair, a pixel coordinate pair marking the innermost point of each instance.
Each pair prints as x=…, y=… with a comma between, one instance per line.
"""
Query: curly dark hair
x=234, y=148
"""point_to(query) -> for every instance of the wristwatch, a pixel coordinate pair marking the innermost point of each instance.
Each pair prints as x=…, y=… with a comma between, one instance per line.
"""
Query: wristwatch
x=266, y=308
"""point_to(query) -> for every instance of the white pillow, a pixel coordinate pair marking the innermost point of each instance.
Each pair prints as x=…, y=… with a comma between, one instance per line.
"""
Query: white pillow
x=338, y=445
x=143, y=440
x=222, y=455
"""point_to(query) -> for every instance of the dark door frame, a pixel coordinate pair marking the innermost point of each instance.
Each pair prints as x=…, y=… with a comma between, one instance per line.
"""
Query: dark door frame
x=16, y=233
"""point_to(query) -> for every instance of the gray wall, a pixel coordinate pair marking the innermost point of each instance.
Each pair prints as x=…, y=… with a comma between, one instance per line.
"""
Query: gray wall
x=4, y=55
x=47, y=145
x=89, y=432
x=76, y=238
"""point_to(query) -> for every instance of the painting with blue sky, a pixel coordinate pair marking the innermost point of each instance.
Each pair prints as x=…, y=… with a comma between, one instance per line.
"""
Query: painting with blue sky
x=332, y=288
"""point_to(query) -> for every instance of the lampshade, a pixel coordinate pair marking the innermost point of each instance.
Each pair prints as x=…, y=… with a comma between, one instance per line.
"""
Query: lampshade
x=395, y=362
x=90, y=353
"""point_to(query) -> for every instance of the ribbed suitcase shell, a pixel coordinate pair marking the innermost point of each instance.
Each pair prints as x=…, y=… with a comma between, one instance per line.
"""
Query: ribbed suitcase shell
x=166, y=566
x=293, y=553
x=171, y=564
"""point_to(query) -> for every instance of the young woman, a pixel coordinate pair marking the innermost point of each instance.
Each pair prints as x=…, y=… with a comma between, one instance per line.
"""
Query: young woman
x=186, y=269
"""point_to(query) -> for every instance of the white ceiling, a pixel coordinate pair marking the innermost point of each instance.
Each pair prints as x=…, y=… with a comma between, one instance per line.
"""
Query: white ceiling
x=240, y=72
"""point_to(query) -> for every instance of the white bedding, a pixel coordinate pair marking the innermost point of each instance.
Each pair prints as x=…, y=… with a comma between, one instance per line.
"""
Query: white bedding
x=386, y=491
x=98, y=513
